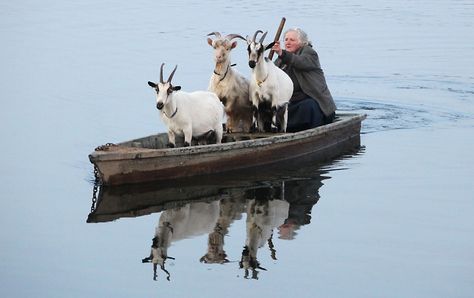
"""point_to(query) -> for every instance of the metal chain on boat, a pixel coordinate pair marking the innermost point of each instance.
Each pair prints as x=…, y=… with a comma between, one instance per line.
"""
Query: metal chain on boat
x=96, y=175
x=105, y=147
x=94, y=197
x=97, y=183
x=97, y=180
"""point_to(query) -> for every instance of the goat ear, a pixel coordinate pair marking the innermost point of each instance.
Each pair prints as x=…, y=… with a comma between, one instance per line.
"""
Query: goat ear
x=234, y=44
x=270, y=45
x=176, y=88
x=151, y=84
x=209, y=41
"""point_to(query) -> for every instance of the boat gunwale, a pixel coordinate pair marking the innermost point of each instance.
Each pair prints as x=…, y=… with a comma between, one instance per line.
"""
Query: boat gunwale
x=144, y=153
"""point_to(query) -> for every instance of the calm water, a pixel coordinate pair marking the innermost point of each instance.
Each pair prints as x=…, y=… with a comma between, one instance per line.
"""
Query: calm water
x=393, y=220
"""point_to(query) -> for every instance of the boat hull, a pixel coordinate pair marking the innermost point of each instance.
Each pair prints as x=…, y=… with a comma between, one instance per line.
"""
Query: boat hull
x=127, y=165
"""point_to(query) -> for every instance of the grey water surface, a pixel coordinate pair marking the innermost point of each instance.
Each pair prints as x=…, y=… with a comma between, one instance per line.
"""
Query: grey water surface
x=394, y=219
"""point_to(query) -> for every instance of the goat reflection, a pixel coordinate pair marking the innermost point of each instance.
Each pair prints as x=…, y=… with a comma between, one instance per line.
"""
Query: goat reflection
x=177, y=224
x=230, y=209
x=265, y=211
x=285, y=206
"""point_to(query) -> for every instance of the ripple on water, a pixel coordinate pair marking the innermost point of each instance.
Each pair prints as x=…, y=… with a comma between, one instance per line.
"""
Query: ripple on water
x=387, y=116
x=402, y=101
x=442, y=84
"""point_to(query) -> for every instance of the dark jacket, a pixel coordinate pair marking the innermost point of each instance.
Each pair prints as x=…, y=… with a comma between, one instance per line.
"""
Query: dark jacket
x=310, y=76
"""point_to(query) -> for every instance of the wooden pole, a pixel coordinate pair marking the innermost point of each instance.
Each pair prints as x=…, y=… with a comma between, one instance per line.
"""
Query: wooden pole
x=277, y=36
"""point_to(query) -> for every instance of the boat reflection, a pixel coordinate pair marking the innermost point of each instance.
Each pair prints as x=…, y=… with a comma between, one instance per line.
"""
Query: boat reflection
x=274, y=204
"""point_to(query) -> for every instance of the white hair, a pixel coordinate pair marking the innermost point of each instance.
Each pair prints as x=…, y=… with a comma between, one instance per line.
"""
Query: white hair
x=302, y=36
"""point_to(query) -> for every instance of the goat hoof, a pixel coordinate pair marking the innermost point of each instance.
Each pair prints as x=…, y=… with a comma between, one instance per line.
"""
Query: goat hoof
x=170, y=145
x=186, y=144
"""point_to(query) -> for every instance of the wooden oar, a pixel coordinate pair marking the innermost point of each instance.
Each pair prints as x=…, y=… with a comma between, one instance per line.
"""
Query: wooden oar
x=277, y=36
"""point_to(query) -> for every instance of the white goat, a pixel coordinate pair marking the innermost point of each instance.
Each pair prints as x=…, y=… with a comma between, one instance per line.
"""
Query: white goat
x=230, y=86
x=270, y=87
x=190, y=114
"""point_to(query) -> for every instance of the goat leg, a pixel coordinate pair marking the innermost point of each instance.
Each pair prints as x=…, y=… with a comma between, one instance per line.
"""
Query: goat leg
x=171, y=139
x=188, y=135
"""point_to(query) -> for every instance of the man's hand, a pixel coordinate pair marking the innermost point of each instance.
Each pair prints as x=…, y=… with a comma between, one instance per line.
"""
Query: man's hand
x=277, y=48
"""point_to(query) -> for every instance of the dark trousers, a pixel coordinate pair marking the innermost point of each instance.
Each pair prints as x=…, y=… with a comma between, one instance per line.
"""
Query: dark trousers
x=305, y=114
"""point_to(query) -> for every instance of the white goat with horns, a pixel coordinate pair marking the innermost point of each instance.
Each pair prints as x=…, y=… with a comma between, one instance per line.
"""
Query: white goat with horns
x=193, y=114
x=270, y=87
x=230, y=86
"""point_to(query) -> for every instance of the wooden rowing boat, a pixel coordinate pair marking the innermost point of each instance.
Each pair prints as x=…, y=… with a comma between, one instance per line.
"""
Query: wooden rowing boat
x=148, y=159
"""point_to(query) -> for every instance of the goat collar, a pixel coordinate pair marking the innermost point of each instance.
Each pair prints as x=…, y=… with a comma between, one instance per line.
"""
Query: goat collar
x=226, y=71
x=172, y=115
x=259, y=83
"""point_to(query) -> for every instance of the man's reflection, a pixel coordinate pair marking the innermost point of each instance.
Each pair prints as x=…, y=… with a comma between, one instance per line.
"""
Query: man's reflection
x=302, y=195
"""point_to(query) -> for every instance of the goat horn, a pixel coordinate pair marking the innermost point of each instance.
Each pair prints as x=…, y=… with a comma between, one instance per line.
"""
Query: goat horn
x=232, y=36
x=217, y=34
x=172, y=74
x=263, y=37
x=161, y=73
x=255, y=35
x=147, y=259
